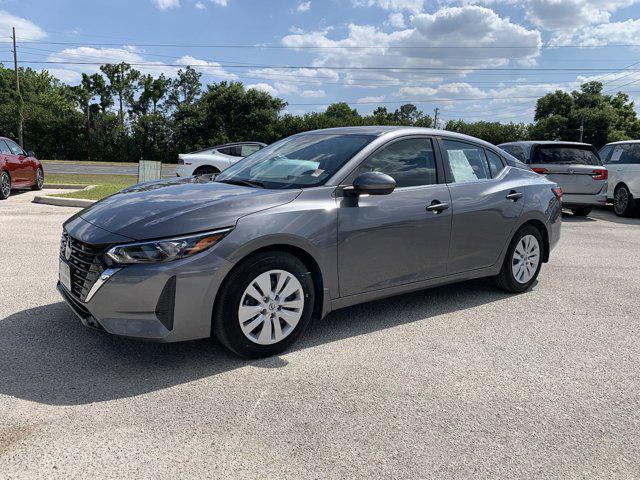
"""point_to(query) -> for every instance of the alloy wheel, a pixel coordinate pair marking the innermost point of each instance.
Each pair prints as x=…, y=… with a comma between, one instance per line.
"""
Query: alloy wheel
x=621, y=200
x=5, y=185
x=271, y=307
x=39, y=179
x=526, y=258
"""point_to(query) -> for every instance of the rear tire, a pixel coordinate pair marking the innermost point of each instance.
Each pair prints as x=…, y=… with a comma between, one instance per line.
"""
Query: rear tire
x=249, y=325
x=5, y=186
x=522, y=262
x=581, y=211
x=623, y=201
x=206, y=170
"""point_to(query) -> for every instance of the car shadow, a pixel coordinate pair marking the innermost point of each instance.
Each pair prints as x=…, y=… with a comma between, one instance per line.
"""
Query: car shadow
x=47, y=356
x=571, y=218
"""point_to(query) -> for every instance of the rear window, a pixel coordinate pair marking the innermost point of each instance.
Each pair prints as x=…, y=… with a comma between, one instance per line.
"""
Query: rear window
x=566, y=156
x=515, y=150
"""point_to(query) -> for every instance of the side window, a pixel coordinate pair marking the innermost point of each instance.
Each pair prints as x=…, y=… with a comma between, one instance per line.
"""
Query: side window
x=466, y=162
x=495, y=163
x=15, y=148
x=515, y=150
x=231, y=151
x=246, y=150
x=410, y=162
x=4, y=148
x=604, y=153
x=626, y=154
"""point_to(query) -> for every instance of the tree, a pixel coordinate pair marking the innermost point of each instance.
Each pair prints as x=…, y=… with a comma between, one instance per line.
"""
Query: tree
x=185, y=89
x=123, y=84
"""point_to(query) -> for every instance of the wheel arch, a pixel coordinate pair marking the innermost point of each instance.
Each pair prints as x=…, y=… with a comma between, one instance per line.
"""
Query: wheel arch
x=206, y=167
x=544, y=232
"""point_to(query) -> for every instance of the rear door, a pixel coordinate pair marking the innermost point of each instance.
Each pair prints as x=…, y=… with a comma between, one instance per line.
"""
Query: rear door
x=486, y=198
x=624, y=166
x=573, y=167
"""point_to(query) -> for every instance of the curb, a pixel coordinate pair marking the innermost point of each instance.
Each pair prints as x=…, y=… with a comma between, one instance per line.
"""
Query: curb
x=63, y=202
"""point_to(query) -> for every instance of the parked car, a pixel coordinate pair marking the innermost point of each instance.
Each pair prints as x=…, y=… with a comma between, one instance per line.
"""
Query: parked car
x=18, y=169
x=622, y=159
x=315, y=222
x=215, y=159
x=574, y=166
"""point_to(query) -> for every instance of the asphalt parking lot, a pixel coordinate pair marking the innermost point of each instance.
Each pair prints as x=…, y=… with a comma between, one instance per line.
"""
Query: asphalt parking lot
x=459, y=381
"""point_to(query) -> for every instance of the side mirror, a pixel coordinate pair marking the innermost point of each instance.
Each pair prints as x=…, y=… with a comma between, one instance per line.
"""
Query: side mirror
x=31, y=153
x=374, y=183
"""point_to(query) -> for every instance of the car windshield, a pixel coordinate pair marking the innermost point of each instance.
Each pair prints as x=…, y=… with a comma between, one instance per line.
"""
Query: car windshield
x=300, y=161
x=567, y=155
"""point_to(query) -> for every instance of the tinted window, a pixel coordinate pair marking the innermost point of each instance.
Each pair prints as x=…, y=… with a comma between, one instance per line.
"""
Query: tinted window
x=4, y=148
x=305, y=160
x=495, y=163
x=628, y=153
x=231, y=151
x=604, y=152
x=515, y=150
x=467, y=163
x=566, y=156
x=410, y=162
x=15, y=148
x=246, y=150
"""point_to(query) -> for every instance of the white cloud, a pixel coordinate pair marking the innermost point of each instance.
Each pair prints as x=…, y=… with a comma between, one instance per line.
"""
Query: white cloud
x=414, y=6
x=264, y=87
x=221, y=3
x=167, y=4
x=25, y=29
x=396, y=20
x=304, y=6
x=378, y=99
x=313, y=94
x=566, y=15
x=213, y=69
x=64, y=75
x=626, y=32
x=200, y=6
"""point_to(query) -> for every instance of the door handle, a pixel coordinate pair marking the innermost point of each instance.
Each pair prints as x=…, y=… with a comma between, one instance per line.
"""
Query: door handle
x=515, y=196
x=437, y=206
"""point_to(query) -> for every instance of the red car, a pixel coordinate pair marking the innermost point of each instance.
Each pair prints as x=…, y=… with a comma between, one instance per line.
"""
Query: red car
x=18, y=169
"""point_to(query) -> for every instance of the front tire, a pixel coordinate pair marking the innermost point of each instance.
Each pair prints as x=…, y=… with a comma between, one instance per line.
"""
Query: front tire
x=264, y=305
x=39, y=183
x=581, y=211
x=623, y=201
x=5, y=186
x=522, y=262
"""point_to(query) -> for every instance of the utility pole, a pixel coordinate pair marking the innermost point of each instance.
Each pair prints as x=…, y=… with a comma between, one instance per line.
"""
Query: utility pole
x=18, y=97
x=581, y=129
x=435, y=117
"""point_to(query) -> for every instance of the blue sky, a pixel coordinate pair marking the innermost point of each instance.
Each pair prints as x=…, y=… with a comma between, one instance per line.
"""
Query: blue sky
x=475, y=60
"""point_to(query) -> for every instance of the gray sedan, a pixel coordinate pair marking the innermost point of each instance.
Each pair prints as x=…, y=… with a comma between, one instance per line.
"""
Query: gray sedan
x=315, y=222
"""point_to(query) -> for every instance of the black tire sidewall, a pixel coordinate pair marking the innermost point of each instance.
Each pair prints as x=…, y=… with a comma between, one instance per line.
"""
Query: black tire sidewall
x=226, y=325
x=507, y=272
x=630, y=202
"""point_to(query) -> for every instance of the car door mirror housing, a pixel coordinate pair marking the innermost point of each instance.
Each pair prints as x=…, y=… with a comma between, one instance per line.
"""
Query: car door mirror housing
x=374, y=183
x=31, y=153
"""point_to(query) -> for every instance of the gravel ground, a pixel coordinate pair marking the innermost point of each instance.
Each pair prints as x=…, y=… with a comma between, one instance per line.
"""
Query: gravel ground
x=457, y=382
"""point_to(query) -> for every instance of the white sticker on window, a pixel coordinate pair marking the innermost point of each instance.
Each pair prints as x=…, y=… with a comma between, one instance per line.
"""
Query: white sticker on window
x=617, y=153
x=460, y=167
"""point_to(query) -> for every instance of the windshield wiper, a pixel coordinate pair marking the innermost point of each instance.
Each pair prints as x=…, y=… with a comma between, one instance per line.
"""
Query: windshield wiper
x=246, y=183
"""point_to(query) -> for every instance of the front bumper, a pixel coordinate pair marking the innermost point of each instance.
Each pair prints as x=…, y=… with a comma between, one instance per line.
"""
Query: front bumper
x=136, y=302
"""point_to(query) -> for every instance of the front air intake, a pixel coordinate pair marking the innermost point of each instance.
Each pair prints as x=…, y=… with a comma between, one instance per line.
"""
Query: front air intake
x=166, y=303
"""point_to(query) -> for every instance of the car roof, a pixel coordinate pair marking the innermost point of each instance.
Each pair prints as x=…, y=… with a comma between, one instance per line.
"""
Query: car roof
x=234, y=144
x=623, y=142
x=547, y=142
x=380, y=130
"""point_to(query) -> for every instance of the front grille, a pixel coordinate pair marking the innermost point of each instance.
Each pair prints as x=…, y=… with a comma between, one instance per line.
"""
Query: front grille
x=84, y=263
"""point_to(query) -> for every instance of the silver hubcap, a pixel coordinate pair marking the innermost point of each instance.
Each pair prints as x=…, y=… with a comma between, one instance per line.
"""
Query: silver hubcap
x=621, y=200
x=39, y=179
x=6, y=185
x=526, y=258
x=271, y=307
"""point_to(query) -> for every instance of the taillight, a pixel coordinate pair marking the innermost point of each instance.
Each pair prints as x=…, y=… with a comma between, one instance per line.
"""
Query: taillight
x=557, y=191
x=540, y=170
x=600, y=174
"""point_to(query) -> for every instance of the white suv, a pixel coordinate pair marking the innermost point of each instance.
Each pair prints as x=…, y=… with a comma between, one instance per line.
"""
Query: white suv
x=214, y=159
x=622, y=159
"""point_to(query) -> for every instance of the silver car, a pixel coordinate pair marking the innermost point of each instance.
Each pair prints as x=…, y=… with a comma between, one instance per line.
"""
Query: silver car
x=313, y=223
x=576, y=167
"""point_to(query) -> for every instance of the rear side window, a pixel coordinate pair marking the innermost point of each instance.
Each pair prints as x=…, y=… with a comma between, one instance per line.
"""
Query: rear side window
x=409, y=162
x=246, y=150
x=466, y=162
x=4, y=148
x=515, y=150
x=495, y=163
x=604, y=152
x=566, y=156
x=233, y=151
x=628, y=153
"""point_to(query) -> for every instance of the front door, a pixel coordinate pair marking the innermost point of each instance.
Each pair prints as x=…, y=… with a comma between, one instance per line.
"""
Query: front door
x=390, y=240
x=22, y=166
x=486, y=204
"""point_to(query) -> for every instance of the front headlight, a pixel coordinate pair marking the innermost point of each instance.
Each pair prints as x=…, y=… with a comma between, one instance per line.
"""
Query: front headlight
x=165, y=250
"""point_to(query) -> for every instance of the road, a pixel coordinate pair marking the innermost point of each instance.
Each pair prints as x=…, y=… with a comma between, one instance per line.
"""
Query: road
x=461, y=381
x=103, y=169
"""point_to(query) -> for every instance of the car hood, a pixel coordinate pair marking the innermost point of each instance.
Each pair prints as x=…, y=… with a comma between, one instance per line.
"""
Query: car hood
x=180, y=206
